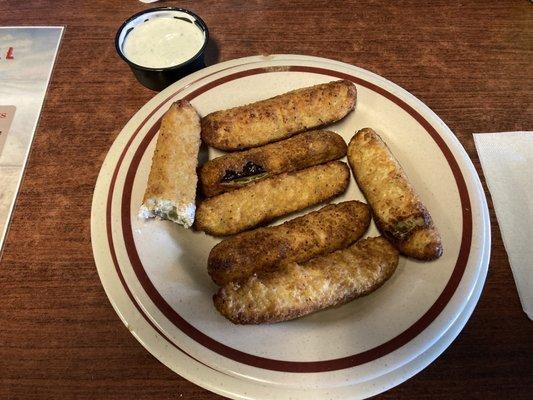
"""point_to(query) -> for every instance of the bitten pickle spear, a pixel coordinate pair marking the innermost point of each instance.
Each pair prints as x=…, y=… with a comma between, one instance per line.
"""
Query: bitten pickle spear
x=171, y=190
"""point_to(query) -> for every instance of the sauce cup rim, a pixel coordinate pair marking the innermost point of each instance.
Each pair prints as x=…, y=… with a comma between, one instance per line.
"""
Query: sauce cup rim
x=200, y=21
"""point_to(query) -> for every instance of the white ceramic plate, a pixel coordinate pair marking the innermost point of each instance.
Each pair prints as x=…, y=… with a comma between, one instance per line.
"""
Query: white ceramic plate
x=155, y=273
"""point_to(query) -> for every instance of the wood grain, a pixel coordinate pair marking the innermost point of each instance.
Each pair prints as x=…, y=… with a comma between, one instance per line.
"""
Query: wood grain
x=470, y=61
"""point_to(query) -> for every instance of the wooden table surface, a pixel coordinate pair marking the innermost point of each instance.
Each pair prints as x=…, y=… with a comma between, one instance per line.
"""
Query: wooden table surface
x=469, y=61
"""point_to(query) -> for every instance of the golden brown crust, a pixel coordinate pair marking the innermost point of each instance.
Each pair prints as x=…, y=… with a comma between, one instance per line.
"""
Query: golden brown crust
x=399, y=213
x=173, y=176
x=333, y=227
x=267, y=199
x=279, y=117
x=294, y=290
x=298, y=152
x=424, y=244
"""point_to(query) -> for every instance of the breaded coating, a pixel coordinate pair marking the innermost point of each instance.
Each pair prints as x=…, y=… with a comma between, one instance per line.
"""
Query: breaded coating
x=279, y=117
x=236, y=170
x=333, y=227
x=294, y=290
x=171, y=190
x=398, y=211
x=267, y=199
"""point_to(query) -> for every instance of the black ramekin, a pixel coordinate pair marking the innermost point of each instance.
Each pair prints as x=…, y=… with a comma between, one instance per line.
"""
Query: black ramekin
x=159, y=78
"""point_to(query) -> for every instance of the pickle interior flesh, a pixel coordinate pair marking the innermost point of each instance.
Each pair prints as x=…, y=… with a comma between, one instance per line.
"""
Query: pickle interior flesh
x=250, y=172
x=245, y=180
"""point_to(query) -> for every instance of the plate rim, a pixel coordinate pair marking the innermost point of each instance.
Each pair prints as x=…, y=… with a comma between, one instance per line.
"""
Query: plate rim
x=232, y=64
x=263, y=362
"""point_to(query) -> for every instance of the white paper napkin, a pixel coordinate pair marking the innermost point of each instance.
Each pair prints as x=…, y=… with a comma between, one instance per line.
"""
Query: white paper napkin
x=507, y=162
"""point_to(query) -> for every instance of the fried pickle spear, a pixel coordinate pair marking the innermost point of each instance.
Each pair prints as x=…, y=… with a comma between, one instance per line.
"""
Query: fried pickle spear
x=333, y=227
x=236, y=170
x=171, y=189
x=267, y=199
x=398, y=211
x=279, y=117
x=294, y=290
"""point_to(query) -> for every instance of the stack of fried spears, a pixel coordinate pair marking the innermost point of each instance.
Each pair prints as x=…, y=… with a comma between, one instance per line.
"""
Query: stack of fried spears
x=315, y=261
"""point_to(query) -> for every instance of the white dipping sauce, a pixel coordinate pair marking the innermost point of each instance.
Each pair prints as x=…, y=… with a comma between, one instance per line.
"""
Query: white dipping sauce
x=163, y=42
